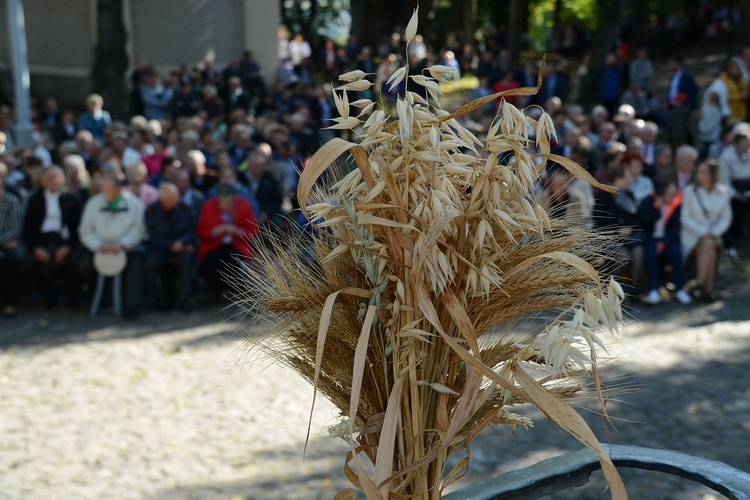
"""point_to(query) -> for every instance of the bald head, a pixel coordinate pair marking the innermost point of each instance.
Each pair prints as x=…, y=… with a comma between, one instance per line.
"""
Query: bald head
x=169, y=196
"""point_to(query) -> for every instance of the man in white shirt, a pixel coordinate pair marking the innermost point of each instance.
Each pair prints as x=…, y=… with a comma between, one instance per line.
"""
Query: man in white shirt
x=734, y=172
x=113, y=222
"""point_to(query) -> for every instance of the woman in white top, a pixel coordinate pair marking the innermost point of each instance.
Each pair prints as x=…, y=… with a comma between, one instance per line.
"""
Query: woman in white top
x=706, y=215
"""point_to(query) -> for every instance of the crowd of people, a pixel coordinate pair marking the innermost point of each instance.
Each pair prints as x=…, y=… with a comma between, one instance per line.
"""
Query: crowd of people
x=210, y=156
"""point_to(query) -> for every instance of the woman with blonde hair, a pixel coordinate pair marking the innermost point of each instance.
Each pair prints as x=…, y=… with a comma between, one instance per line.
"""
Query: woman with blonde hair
x=737, y=87
x=706, y=215
x=77, y=177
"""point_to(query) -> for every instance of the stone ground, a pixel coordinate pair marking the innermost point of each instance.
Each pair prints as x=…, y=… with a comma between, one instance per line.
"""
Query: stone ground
x=174, y=406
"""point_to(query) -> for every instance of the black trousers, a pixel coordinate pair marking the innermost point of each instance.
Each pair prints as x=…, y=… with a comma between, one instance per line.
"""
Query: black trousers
x=217, y=264
x=158, y=267
x=10, y=277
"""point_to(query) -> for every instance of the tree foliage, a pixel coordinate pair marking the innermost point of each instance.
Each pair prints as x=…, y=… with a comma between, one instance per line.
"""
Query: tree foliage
x=312, y=17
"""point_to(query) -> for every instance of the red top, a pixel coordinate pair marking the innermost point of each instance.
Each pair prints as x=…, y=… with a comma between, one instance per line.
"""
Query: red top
x=212, y=217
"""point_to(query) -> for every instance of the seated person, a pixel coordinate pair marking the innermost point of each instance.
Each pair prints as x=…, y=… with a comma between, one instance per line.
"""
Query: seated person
x=562, y=201
x=226, y=226
x=113, y=222
x=659, y=217
x=189, y=195
x=641, y=186
x=11, y=226
x=227, y=175
x=705, y=216
x=618, y=212
x=137, y=185
x=266, y=189
x=171, y=233
x=51, y=234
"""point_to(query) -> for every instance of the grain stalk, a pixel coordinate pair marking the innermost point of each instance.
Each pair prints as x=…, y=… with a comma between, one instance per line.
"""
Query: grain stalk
x=414, y=258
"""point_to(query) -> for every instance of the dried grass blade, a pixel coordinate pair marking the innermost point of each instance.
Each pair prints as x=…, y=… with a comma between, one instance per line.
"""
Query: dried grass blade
x=426, y=306
x=577, y=171
x=387, y=441
x=380, y=221
x=360, y=357
x=318, y=164
x=325, y=323
x=565, y=416
x=565, y=257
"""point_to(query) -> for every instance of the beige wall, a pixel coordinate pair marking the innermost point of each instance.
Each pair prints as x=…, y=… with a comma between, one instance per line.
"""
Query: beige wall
x=61, y=36
x=262, y=21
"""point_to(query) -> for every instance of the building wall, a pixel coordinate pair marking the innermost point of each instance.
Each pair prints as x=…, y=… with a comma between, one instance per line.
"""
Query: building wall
x=61, y=36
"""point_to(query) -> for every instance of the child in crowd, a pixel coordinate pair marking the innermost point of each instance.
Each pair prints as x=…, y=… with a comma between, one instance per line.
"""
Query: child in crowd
x=659, y=217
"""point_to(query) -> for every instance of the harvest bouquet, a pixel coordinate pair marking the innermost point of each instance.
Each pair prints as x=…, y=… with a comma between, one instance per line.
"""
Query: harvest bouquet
x=422, y=257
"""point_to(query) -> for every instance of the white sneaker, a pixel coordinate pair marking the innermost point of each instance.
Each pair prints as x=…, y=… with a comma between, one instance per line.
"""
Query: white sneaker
x=683, y=297
x=653, y=297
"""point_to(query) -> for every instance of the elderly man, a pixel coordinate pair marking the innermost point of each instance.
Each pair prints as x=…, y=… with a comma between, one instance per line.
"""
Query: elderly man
x=171, y=229
x=10, y=246
x=189, y=195
x=267, y=190
x=113, y=222
x=51, y=234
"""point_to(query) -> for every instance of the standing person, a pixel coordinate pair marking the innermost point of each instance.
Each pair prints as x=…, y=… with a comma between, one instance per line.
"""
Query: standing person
x=113, y=222
x=709, y=124
x=154, y=96
x=681, y=82
x=299, y=53
x=719, y=87
x=95, y=119
x=736, y=90
x=51, y=235
x=227, y=225
x=11, y=227
x=611, y=83
x=641, y=70
x=706, y=215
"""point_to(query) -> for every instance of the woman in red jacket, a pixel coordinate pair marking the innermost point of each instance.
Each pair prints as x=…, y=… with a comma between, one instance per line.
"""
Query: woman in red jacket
x=226, y=229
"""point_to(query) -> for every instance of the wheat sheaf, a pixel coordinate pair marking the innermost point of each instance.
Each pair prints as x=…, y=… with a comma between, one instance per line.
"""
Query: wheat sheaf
x=413, y=259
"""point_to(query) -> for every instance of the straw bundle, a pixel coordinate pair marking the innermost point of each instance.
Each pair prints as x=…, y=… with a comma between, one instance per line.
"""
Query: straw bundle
x=416, y=255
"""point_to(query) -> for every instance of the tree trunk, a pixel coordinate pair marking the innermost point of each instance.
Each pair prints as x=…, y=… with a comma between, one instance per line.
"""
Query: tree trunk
x=555, y=41
x=374, y=20
x=519, y=11
x=640, y=15
x=741, y=34
x=469, y=22
x=111, y=59
x=610, y=14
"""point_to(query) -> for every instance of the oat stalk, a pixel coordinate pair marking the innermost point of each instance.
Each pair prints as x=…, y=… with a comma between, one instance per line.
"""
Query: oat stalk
x=416, y=255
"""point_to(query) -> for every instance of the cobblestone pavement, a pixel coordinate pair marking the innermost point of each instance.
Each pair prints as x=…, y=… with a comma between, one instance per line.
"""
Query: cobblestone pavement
x=170, y=407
